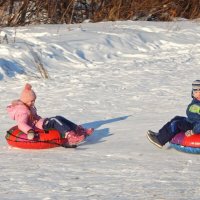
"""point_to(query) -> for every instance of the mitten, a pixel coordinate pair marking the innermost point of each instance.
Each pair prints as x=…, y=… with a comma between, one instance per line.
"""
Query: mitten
x=31, y=134
x=189, y=133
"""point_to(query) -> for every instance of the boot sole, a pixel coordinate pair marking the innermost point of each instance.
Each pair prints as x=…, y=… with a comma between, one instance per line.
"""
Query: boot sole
x=159, y=146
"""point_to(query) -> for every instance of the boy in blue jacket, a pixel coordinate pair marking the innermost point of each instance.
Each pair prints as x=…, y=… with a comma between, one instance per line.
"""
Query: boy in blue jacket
x=190, y=124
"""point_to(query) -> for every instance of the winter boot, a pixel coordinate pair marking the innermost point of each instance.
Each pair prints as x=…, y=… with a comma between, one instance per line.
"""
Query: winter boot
x=89, y=131
x=73, y=138
x=82, y=131
x=153, y=139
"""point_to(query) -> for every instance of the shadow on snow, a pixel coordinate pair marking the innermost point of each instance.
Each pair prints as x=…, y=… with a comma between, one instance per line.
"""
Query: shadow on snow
x=9, y=68
x=97, y=136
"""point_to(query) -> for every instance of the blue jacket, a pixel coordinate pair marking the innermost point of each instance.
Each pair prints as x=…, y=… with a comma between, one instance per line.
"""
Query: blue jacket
x=193, y=115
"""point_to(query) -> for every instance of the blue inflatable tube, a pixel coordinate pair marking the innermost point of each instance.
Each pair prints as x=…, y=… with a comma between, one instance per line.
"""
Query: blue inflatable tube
x=185, y=149
x=186, y=144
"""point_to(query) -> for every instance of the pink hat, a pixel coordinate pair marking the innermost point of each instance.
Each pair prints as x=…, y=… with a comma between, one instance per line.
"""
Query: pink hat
x=27, y=94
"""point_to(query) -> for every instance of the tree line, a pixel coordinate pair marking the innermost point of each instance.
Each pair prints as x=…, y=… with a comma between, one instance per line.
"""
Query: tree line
x=22, y=12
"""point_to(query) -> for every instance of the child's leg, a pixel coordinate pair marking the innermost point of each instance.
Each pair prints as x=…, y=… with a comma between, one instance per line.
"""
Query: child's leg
x=171, y=128
x=59, y=123
x=74, y=133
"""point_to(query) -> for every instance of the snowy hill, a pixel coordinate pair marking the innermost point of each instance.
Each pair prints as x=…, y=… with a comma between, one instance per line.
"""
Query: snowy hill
x=122, y=78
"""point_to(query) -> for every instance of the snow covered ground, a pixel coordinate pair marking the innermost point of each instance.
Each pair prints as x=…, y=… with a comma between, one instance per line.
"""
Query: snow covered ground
x=122, y=78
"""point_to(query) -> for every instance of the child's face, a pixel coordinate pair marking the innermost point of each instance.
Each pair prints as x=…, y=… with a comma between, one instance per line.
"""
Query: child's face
x=31, y=103
x=196, y=95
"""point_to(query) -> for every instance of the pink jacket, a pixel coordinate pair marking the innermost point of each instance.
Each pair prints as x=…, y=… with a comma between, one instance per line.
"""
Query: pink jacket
x=26, y=118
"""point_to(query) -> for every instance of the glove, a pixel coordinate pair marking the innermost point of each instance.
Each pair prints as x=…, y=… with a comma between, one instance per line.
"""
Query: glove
x=189, y=133
x=31, y=134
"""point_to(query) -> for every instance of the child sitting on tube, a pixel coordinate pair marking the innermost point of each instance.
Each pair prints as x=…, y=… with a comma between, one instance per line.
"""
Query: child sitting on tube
x=190, y=124
x=28, y=121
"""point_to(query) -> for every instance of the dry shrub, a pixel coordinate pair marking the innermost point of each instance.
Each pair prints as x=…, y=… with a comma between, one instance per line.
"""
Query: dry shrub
x=21, y=12
x=163, y=10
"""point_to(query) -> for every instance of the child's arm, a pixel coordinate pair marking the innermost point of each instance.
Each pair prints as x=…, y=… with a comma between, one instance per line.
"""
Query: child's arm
x=34, y=112
x=22, y=122
x=38, y=119
x=196, y=128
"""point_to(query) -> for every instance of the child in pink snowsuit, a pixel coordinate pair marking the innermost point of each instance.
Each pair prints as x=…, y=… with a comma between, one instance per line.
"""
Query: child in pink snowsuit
x=25, y=114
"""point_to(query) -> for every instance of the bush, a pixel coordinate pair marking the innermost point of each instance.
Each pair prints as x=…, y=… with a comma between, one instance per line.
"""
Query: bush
x=22, y=12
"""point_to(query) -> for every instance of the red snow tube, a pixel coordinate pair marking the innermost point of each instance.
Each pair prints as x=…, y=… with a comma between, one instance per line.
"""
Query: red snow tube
x=187, y=144
x=16, y=138
x=192, y=141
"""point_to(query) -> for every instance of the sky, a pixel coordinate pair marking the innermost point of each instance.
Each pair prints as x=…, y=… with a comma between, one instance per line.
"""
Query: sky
x=121, y=78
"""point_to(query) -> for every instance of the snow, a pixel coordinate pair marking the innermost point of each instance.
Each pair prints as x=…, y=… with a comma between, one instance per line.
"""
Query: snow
x=122, y=78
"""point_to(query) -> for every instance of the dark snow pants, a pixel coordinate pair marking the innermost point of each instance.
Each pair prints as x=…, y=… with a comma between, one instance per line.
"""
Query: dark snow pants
x=171, y=128
x=59, y=123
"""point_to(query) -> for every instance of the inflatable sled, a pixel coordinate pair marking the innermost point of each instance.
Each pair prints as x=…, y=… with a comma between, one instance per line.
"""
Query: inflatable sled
x=186, y=144
x=45, y=140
